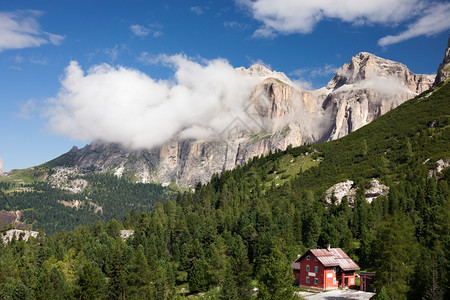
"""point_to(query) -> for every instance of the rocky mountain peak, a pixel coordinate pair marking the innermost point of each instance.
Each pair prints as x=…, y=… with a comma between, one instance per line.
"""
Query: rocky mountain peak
x=443, y=72
x=258, y=70
x=367, y=66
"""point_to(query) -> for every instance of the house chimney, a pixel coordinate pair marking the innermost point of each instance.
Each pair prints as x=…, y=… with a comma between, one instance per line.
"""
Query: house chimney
x=328, y=247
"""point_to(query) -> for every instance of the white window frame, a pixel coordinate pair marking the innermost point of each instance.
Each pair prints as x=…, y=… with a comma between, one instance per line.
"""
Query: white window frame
x=316, y=280
x=307, y=268
x=308, y=257
x=307, y=279
x=316, y=269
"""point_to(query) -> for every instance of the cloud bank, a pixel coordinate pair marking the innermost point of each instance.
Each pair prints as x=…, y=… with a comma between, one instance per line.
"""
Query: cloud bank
x=122, y=105
x=21, y=29
x=143, y=31
x=289, y=16
x=436, y=19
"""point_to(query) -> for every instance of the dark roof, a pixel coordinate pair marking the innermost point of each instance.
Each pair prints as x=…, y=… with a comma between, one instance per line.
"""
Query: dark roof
x=330, y=258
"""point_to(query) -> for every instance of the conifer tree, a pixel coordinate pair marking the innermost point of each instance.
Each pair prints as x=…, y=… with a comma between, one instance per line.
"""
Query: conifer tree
x=394, y=255
x=275, y=278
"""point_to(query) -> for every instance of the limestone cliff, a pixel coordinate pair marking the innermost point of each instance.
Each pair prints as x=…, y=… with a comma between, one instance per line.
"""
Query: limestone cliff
x=443, y=72
x=368, y=87
x=279, y=113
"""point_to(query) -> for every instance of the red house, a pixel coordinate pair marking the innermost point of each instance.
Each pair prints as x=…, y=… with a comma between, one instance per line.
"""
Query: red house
x=324, y=269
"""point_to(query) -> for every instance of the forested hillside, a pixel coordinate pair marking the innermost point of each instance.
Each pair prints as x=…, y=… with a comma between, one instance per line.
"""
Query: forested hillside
x=244, y=228
x=106, y=197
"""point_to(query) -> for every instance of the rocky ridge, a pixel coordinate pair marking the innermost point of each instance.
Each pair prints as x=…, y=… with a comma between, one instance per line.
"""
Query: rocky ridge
x=279, y=114
x=443, y=72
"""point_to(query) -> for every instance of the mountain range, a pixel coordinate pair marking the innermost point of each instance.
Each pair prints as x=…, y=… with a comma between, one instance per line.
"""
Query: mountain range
x=279, y=113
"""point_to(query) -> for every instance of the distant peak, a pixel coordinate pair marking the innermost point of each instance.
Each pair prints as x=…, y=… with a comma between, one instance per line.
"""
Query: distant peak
x=364, y=54
x=264, y=72
x=259, y=67
x=368, y=66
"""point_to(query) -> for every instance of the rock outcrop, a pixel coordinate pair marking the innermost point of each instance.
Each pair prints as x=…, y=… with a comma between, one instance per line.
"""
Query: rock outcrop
x=441, y=165
x=18, y=234
x=337, y=192
x=443, y=72
x=279, y=113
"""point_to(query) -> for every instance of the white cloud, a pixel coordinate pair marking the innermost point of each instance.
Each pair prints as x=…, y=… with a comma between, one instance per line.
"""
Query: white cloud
x=301, y=16
x=21, y=29
x=304, y=84
x=235, y=25
x=143, y=31
x=18, y=59
x=198, y=10
x=139, y=30
x=40, y=60
x=27, y=109
x=149, y=59
x=435, y=20
x=113, y=52
x=326, y=70
x=118, y=104
x=304, y=75
x=288, y=16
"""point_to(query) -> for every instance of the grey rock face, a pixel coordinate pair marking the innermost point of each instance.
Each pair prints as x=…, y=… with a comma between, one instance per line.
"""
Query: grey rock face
x=345, y=189
x=368, y=87
x=443, y=72
x=280, y=114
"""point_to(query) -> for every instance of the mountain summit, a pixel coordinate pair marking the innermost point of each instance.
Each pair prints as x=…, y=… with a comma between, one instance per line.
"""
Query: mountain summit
x=443, y=72
x=279, y=113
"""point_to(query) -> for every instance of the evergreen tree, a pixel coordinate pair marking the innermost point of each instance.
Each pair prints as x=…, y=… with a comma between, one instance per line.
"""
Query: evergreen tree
x=275, y=278
x=90, y=283
x=394, y=254
x=198, y=276
x=139, y=278
x=229, y=286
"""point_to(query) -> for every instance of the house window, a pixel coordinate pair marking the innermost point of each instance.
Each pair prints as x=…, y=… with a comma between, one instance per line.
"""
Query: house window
x=298, y=276
x=352, y=280
x=334, y=269
x=316, y=259
x=334, y=280
x=308, y=257
x=316, y=269
x=307, y=279
x=316, y=281
x=307, y=268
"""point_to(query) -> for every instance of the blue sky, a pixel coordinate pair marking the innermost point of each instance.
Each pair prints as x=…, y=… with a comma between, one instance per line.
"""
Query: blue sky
x=46, y=46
